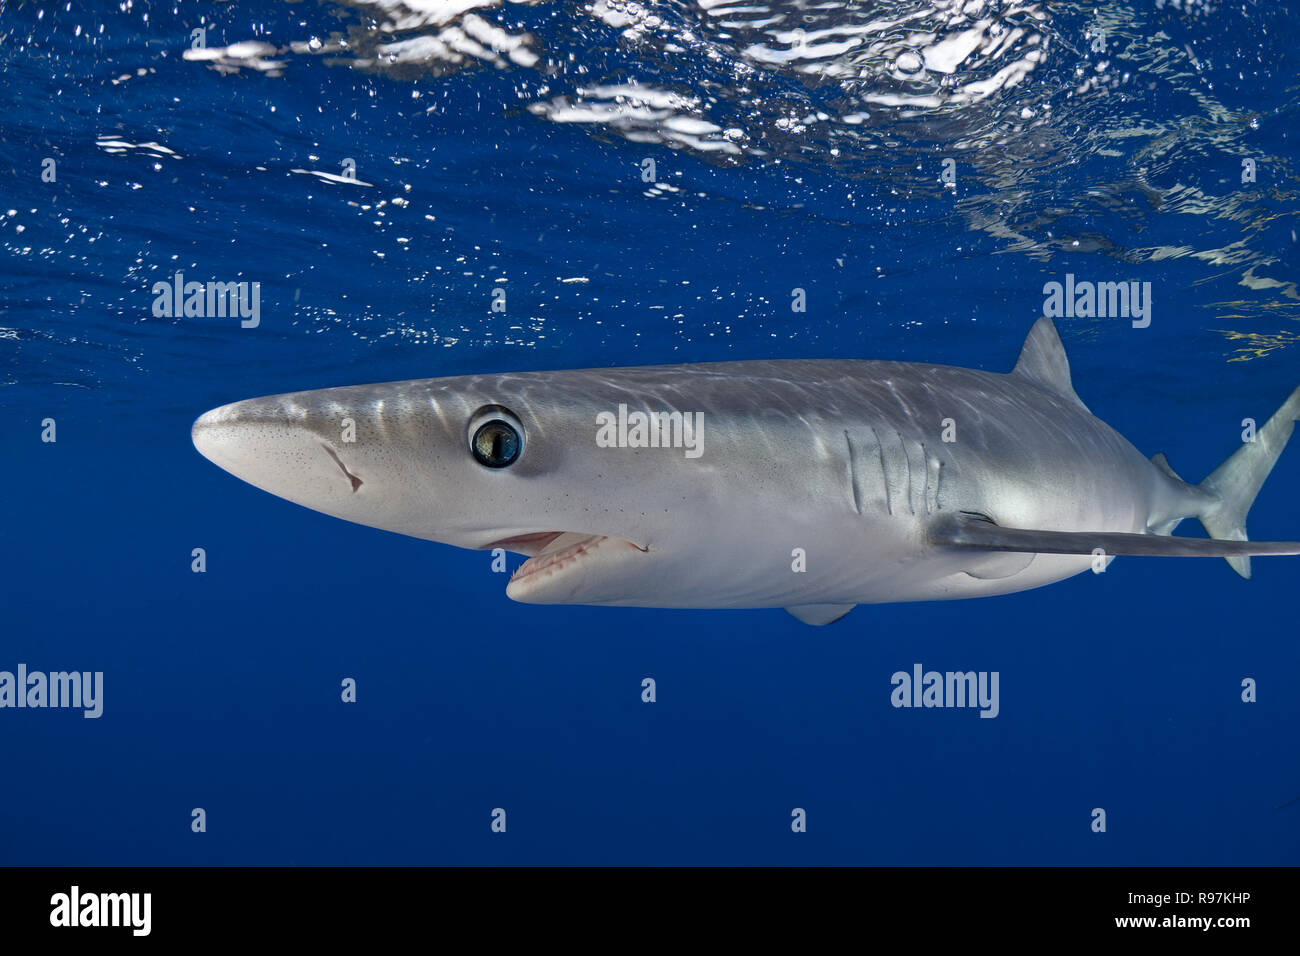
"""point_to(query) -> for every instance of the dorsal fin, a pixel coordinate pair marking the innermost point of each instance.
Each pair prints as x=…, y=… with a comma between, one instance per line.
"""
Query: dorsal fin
x=1043, y=361
x=1161, y=462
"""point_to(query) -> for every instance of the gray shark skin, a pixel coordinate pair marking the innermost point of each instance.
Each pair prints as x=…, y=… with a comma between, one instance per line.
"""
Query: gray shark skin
x=840, y=466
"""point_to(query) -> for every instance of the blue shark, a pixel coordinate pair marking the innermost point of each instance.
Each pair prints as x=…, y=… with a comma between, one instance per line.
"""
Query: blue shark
x=809, y=485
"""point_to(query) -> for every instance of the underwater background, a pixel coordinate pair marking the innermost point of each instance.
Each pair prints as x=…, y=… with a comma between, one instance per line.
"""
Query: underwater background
x=919, y=169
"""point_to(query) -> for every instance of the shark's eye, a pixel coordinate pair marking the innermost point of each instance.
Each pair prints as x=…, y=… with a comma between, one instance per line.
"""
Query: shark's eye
x=496, y=444
x=496, y=437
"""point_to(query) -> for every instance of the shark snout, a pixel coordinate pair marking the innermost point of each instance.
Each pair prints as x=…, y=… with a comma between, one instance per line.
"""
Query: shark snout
x=219, y=435
x=278, y=448
x=239, y=436
x=214, y=429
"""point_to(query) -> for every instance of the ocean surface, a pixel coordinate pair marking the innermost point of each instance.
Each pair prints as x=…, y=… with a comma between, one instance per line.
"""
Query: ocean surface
x=649, y=183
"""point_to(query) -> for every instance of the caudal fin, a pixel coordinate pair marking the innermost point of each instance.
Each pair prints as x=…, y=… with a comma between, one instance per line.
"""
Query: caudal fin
x=1232, y=486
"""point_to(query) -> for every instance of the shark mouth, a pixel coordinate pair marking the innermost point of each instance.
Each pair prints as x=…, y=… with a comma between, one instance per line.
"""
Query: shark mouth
x=553, y=553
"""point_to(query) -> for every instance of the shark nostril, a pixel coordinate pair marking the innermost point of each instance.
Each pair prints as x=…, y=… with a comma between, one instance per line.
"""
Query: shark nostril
x=356, y=482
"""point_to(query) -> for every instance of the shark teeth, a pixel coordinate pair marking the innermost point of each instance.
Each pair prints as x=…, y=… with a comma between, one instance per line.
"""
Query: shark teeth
x=531, y=544
x=560, y=552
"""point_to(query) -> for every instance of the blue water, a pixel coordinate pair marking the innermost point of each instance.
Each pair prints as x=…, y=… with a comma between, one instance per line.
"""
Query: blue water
x=488, y=143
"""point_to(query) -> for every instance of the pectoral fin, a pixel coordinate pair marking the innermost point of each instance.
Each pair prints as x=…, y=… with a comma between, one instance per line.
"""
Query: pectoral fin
x=966, y=531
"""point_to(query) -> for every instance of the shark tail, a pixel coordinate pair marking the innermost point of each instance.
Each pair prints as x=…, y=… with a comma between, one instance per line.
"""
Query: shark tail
x=1231, y=488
